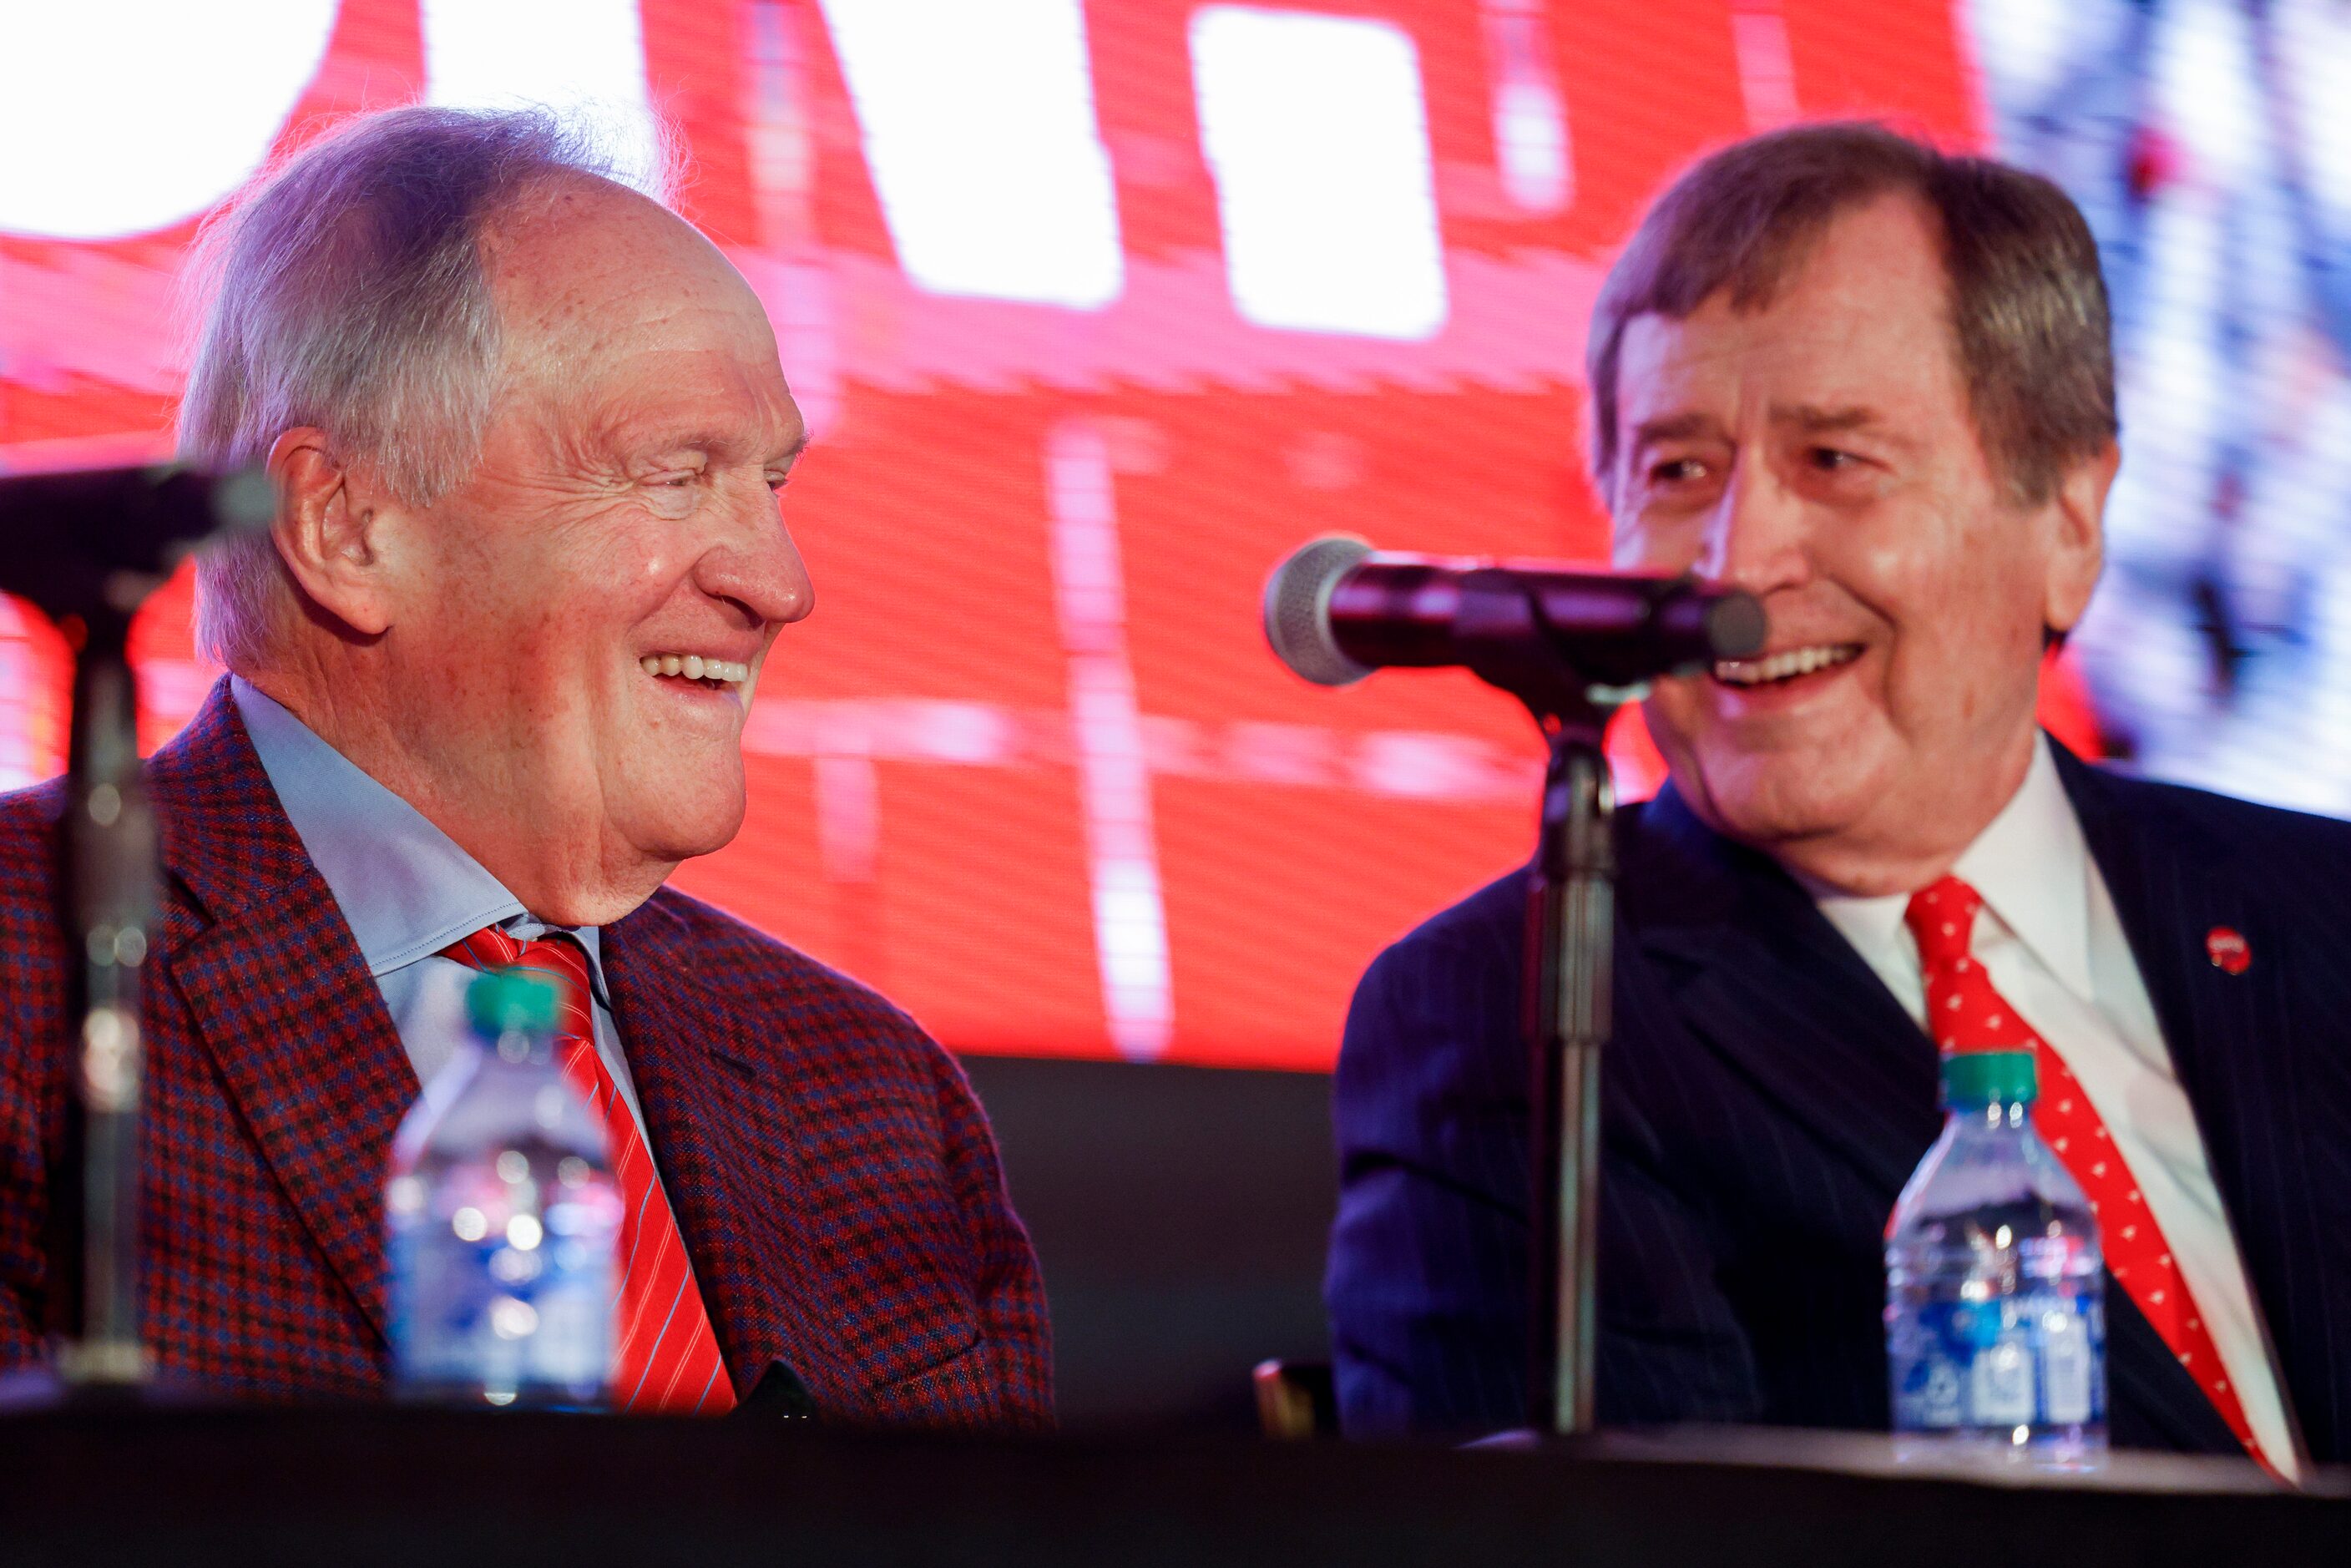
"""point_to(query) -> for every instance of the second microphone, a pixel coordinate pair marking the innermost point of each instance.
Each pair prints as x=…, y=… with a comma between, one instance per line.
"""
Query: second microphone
x=1336, y=610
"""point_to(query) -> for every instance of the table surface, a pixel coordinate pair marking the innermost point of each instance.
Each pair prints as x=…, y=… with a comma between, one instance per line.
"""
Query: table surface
x=1874, y=1454
x=415, y=1488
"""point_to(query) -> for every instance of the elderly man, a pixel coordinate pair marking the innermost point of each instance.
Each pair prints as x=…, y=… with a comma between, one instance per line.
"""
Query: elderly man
x=490, y=669
x=1871, y=384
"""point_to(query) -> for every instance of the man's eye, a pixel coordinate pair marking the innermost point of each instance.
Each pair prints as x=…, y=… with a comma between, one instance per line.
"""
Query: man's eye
x=1833, y=460
x=1677, y=471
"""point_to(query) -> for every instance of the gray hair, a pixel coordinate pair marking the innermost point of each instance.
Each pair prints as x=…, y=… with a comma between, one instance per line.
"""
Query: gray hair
x=351, y=295
x=2029, y=313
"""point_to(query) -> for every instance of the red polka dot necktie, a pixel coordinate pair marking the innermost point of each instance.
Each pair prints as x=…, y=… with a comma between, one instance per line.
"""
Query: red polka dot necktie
x=666, y=1357
x=1964, y=1013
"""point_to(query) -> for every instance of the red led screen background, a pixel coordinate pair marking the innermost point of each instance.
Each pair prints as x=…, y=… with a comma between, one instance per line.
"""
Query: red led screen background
x=1029, y=768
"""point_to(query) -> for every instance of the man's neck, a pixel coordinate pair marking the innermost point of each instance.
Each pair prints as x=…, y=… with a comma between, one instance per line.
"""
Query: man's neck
x=559, y=876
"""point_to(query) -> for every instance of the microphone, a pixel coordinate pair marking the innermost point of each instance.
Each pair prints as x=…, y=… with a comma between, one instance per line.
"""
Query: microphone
x=86, y=547
x=82, y=539
x=1336, y=610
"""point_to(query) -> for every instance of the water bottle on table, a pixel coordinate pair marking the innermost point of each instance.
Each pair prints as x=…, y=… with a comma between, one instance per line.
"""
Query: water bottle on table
x=503, y=1220
x=1995, y=1316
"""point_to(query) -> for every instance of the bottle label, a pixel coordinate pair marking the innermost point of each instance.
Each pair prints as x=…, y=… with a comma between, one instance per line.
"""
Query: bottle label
x=2030, y=1359
x=502, y=1278
x=2068, y=1363
x=2001, y=1386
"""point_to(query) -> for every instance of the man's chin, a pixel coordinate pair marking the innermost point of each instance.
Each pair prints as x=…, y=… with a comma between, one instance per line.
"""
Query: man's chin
x=1770, y=804
x=681, y=830
x=679, y=847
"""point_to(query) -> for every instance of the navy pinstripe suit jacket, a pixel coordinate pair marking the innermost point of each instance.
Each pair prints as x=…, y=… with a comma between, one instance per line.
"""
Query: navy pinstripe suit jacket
x=1764, y=1098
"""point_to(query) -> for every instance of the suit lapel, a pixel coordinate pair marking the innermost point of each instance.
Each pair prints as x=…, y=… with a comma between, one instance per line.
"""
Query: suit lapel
x=2228, y=1036
x=2170, y=886
x=1760, y=975
x=726, y=1153
x=273, y=979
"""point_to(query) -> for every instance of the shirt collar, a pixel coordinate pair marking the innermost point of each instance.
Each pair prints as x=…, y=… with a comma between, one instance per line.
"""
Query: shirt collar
x=404, y=887
x=2032, y=865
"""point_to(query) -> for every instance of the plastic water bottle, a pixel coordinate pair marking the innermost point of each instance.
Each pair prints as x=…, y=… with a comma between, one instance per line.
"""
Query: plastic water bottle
x=1995, y=1309
x=502, y=1219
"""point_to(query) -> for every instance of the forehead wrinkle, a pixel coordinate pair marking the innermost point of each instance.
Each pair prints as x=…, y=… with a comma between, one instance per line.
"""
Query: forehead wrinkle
x=576, y=337
x=626, y=332
x=594, y=388
x=737, y=422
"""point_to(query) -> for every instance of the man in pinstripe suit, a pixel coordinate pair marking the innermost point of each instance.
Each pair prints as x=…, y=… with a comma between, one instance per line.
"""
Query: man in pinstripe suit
x=1872, y=385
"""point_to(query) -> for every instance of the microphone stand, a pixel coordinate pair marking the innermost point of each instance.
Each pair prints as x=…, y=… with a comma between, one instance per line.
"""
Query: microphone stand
x=113, y=890
x=1570, y=932
x=87, y=549
x=1574, y=647
x=1571, y=919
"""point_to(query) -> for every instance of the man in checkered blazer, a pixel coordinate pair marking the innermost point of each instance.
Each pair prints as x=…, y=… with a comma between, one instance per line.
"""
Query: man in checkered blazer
x=489, y=669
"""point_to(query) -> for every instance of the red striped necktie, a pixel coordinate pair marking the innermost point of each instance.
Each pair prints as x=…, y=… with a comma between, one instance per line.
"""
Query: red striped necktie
x=667, y=1357
x=1964, y=1013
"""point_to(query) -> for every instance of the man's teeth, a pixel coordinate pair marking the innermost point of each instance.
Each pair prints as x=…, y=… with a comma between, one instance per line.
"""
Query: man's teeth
x=1781, y=666
x=695, y=667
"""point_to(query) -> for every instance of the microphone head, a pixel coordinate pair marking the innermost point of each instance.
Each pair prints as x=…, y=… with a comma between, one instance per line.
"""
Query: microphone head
x=1735, y=627
x=1298, y=609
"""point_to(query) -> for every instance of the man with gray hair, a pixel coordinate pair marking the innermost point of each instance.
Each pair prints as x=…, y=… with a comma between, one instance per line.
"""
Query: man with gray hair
x=1871, y=384
x=488, y=675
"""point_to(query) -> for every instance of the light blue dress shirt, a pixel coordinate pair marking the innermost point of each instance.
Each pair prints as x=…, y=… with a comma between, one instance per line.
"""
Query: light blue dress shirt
x=405, y=888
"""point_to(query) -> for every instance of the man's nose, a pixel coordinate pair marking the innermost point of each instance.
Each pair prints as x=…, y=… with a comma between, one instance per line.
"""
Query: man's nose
x=755, y=563
x=1756, y=539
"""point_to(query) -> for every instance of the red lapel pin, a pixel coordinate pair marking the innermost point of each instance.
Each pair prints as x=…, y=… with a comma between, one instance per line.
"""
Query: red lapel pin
x=2231, y=954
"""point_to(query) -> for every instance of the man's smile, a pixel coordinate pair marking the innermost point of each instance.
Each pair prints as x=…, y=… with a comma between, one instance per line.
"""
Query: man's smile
x=1788, y=664
x=716, y=674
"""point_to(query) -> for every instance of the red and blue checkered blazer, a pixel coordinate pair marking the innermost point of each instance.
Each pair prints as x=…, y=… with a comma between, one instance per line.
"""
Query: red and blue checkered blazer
x=834, y=1178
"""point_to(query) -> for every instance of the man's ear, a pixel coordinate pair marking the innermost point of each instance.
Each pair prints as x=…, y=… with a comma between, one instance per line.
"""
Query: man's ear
x=326, y=531
x=2075, y=516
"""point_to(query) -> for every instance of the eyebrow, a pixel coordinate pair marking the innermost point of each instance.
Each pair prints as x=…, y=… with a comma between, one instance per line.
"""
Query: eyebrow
x=1809, y=418
x=1824, y=421
x=1672, y=428
x=716, y=441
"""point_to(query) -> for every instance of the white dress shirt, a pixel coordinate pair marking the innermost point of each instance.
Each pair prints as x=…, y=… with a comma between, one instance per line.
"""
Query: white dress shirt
x=2051, y=946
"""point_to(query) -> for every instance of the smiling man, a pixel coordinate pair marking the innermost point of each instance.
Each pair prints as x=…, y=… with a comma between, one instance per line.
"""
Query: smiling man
x=1872, y=385
x=489, y=672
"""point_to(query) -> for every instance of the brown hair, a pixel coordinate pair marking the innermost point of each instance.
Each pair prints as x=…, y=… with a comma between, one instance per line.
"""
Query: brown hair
x=2027, y=305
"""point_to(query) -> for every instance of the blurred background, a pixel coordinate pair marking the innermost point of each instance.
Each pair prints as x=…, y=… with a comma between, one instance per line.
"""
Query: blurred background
x=1096, y=309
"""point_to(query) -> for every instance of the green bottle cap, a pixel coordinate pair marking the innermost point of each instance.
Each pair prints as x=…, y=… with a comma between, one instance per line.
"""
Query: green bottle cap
x=1972, y=1079
x=518, y=998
